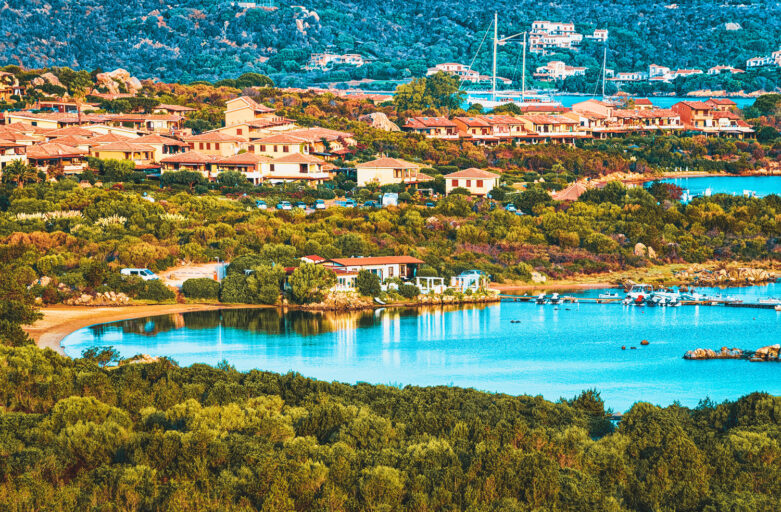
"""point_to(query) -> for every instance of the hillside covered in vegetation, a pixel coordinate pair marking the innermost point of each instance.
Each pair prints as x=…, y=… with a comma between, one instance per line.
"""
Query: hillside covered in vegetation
x=214, y=39
x=76, y=436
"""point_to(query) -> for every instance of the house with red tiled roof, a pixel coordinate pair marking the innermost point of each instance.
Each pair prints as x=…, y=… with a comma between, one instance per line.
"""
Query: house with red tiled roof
x=216, y=143
x=149, y=123
x=163, y=146
x=432, y=127
x=642, y=104
x=475, y=128
x=695, y=115
x=245, y=109
x=190, y=161
x=722, y=104
x=253, y=166
x=172, y=109
x=385, y=267
x=298, y=167
x=139, y=153
x=504, y=127
x=551, y=128
x=570, y=193
x=326, y=142
x=10, y=151
x=279, y=144
x=77, y=131
x=386, y=171
x=477, y=181
x=71, y=159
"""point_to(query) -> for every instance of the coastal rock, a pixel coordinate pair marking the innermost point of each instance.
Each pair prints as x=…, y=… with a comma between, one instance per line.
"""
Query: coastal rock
x=117, y=80
x=640, y=249
x=706, y=353
x=380, y=121
x=768, y=353
x=538, y=277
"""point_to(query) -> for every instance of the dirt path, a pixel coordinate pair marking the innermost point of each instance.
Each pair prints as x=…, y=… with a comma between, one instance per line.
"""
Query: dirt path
x=59, y=321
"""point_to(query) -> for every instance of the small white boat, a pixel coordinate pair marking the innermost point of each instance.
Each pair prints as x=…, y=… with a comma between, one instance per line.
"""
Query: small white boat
x=541, y=299
x=609, y=295
x=555, y=299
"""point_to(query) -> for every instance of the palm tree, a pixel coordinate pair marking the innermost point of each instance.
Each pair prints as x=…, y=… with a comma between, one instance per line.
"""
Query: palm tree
x=20, y=173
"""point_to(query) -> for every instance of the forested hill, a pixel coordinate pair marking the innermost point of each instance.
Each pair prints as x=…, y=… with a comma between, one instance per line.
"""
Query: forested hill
x=212, y=39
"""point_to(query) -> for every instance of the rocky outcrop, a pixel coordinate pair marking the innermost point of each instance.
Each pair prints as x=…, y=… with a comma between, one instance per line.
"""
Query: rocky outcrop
x=380, y=121
x=99, y=299
x=46, y=78
x=706, y=353
x=770, y=353
x=118, y=81
x=644, y=251
x=739, y=275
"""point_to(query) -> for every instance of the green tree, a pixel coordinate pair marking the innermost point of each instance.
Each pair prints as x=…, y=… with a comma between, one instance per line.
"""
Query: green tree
x=20, y=173
x=368, y=283
x=232, y=179
x=201, y=288
x=190, y=179
x=309, y=281
x=17, y=304
x=265, y=283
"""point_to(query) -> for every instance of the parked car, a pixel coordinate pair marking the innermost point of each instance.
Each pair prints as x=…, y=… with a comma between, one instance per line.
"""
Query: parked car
x=300, y=204
x=284, y=205
x=371, y=204
x=347, y=203
x=319, y=204
x=261, y=204
x=143, y=273
x=431, y=205
x=510, y=208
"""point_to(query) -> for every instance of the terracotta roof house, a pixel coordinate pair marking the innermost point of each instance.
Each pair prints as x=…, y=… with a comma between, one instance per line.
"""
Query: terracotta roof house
x=385, y=267
x=141, y=154
x=255, y=167
x=432, y=127
x=298, y=167
x=190, y=161
x=216, y=143
x=43, y=156
x=385, y=171
x=477, y=181
x=571, y=193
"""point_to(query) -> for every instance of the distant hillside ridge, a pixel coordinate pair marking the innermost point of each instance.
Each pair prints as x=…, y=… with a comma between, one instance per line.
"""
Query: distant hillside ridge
x=214, y=39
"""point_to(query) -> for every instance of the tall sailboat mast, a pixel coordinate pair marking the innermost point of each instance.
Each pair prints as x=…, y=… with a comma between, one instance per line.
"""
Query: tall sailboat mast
x=523, y=71
x=604, y=72
x=496, y=43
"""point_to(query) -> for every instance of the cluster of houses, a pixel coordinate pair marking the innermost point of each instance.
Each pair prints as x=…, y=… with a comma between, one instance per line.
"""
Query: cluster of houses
x=546, y=37
x=587, y=119
x=774, y=59
x=254, y=140
x=464, y=72
x=327, y=61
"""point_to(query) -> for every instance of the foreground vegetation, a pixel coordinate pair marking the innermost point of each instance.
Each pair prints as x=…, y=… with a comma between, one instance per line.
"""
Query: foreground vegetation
x=76, y=436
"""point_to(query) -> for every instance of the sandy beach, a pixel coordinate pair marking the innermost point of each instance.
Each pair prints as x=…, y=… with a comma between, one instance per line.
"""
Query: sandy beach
x=59, y=321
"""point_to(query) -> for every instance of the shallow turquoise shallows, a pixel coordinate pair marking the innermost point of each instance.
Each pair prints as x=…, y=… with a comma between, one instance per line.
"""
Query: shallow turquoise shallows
x=552, y=352
x=734, y=185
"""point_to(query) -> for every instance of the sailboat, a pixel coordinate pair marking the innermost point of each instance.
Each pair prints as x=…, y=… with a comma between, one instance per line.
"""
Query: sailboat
x=522, y=99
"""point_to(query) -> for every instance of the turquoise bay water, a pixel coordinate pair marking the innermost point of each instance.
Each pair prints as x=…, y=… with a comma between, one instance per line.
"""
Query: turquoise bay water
x=552, y=352
x=733, y=185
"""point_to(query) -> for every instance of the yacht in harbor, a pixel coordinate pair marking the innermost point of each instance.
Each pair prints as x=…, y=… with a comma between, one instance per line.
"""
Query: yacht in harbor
x=522, y=98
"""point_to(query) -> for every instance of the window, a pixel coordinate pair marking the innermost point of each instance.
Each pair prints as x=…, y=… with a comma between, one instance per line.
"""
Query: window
x=275, y=149
x=271, y=167
x=468, y=183
x=397, y=173
x=239, y=131
x=286, y=149
x=303, y=168
x=479, y=184
x=208, y=145
x=454, y=183
x=262, y=148
x=251, y=148
x=216, y=145
x=390, y=271
x=200, y=145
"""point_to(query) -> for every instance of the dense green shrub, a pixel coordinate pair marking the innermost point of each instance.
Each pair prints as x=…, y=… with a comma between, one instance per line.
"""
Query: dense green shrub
x=368, y=283
x=409, y=291
x=157, y=291
x=234, y=289
x=201, y=288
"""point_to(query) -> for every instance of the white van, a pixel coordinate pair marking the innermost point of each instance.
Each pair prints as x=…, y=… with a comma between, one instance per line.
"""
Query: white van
x=143, y=273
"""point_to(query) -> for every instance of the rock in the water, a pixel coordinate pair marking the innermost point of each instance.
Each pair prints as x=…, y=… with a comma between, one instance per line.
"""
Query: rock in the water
x=706, y=353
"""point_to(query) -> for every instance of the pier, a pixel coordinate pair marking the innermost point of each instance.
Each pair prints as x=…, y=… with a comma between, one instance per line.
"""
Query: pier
x=596, y=300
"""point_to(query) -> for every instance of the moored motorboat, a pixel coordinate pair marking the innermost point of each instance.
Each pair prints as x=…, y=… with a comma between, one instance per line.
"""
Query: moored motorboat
x=541, y=299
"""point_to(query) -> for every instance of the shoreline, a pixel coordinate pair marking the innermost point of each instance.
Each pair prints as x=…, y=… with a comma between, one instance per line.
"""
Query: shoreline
x=59, y=321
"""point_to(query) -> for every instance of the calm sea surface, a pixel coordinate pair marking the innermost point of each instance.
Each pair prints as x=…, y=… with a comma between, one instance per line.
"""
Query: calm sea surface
x=553, y=351
x=734, y=185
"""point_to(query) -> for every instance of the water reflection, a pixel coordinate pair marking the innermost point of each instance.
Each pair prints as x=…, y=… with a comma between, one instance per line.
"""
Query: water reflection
x=303, y=323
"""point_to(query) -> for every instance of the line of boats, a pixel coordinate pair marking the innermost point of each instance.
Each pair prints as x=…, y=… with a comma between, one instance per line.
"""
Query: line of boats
x=645, y=295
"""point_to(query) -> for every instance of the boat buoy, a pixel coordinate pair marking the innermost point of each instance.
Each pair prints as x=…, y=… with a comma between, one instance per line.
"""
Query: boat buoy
x=623, y=347
x=633, y=348
x=644, y=342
